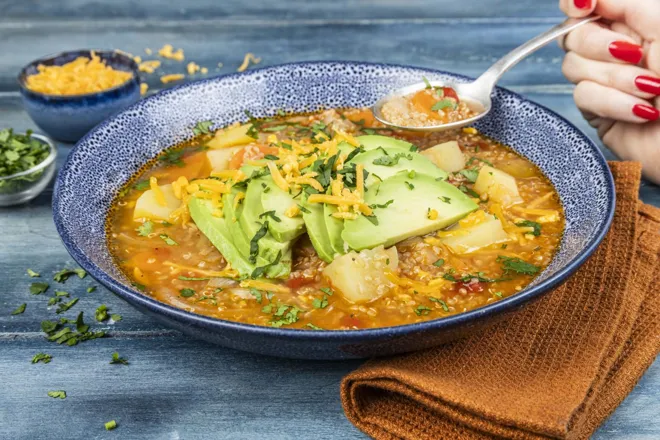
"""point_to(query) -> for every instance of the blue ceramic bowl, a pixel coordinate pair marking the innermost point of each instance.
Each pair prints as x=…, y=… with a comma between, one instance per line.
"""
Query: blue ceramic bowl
x=108, y=156
x=68, y=118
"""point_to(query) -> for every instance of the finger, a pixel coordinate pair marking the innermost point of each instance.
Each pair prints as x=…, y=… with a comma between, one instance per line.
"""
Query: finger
x=606, y=102
x=624, y=29
x=645, y=149
x=577, y=8
x=629, y=79
x=601, y=44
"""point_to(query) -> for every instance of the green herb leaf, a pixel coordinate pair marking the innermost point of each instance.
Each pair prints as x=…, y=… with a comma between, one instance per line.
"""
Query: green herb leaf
x=445, y=199
x=173, y=158
x=64, y=274
x=372, y=218
x=186, y=293
x=443, y=104
x=271, y=157
x=254, y=242
x=498, y=294
x=260, y=270
x=91, y=289
x=182, y=278
x=531, y=224
x=286, y=315
x=303, y=209
x=20, y=309
x=38, y=288
x=101, y=313
x=326, y=290
x=270, y=214
x=118, y=360
x=142, y=185
x=422, y=310
x=390, y=161
x=439, y=263
x=81, y=327
x=382, y=205
x=49, y=326
x=441, y=302
x=478, y=159
x=42, y=357
x=312, y=326
x=516, y=265
x=320, y=303
x=470, y=175
x=116, y=317
x=32, y=273
x=468, y=191
x=19, y=153
x=202, y=128
x=145, y=228
x=61, y=394
x=257, y=294
x=62, y=293
x=426, y=81
x=63, y=307
x=410, y=186
x=139, y=286
x=168, y=240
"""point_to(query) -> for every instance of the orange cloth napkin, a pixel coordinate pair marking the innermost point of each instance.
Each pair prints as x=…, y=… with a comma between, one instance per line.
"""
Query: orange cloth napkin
x=555, y=369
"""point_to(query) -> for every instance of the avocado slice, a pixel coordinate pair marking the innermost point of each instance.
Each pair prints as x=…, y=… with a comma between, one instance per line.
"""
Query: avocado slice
x=251, y=222
x=373, y=141
x=274, y=200
x=313, y=216
x=335, y=226
x=404, y=160
x=217, y=230
x=242, y=243
x=407, y=215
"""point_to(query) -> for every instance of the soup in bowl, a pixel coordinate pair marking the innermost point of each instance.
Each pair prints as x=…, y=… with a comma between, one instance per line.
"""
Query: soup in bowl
x=270, y=212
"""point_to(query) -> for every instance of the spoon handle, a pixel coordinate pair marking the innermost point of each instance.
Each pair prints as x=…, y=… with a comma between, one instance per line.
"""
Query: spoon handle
x=490, y=77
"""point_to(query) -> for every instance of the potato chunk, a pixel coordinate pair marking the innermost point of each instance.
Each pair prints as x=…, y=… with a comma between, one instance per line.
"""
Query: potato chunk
x=219, y=159
x=448, y=156
x=481, y=235
x=147, y=206
x=230, y=137
x=360, y=277
x=500, y=186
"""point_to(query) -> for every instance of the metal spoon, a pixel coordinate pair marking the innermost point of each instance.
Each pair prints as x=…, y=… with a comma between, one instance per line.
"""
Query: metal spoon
x=477, y=94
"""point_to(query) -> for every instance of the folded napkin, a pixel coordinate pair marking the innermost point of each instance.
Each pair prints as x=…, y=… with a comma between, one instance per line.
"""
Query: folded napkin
x=555, y=369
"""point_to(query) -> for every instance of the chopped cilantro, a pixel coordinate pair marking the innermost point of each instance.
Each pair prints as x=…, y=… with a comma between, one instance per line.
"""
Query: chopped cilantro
x=257, y=294
x=101, y=313
x=528, y=223
x=445, y=199
x=182, y=278
x=32, y=273
x=145, y=228
x=166, y=238
x=410, y=185
x=20, y=309
x=42, y=357
x=81, y=327
x=64, y=274
x=62, y=293
x=515, y=264
x=504, y=246
x=260, y=270
x=320, y=303
x=91, y=289
x=186, y=293
x=372, y=218
x=63, y=307
x=173, y=158
x=390, y=161
x=439, y=301
x=49, y=326
x=422, y=310
x=254, y=243
x=478, y=159
x=116, y=317
x=142, y=185
x=439, y=263
x=470, y=175
x=118, y=360
x=313, y=327
x=139, y=286
x=271, y=157
x=283, y=315
x=382, y=205
x=270, y=214
x=60, y=394
x=326, y=290
x=498, y=294
x=202, y=128
x=426, y=81
x=38, y=288
x=354, y=153
x=470, y=192
x=443, y=104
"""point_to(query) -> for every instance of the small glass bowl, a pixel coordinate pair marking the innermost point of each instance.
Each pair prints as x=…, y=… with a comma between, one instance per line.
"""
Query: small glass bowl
x=26, y=185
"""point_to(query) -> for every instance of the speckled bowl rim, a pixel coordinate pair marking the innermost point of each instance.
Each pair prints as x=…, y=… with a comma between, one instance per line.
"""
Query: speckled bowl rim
x=22, y=75
x=507, y=304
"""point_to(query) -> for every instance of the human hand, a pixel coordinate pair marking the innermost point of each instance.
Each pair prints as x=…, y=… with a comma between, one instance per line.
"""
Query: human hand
x=615, y=64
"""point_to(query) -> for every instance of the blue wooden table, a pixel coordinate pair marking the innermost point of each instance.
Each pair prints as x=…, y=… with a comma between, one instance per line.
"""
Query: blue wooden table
x=175, y=387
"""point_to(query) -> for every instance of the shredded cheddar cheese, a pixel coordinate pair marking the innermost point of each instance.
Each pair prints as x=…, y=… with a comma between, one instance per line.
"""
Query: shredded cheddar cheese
x=192, y=68
x=292, y=211
x=171, y=78
x=143, y=88
x=167, y=51
x=470, y=130
x=158, y=193
x=149, y=66
x=249, y=57
x=432, y=214
x=78, y=77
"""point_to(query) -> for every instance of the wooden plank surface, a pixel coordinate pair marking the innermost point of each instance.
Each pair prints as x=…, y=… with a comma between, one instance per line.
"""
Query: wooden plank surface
x=175, y=387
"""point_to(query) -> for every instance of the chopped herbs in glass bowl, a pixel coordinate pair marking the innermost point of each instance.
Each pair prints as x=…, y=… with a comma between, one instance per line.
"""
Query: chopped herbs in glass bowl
x=27, y=164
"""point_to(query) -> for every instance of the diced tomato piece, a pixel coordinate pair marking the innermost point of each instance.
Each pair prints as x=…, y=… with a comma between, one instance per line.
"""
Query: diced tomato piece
x=470, y=286
x=450, y=93
x=351, y=321
x=298, y=280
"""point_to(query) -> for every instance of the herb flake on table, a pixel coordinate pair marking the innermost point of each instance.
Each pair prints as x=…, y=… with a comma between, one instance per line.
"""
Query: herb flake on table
x=63, y=307
x=60, y=334
x=116, y=317
x=60, y=394
x=38, y=288
x=33, y=274
x=41, y=357
x=91, y=289
x=20, y=309
x=19, y=153
x=101, y=313
x=118, y=360
x=64, y=274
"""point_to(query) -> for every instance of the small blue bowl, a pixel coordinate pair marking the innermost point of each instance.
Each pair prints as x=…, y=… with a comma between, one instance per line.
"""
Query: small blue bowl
x=67, y=118
x=107, y=157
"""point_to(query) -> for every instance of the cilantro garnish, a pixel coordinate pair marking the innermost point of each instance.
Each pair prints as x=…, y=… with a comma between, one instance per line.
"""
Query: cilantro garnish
x=439, y=301
x=173, y=157
x=270, y=214
x=313, y=327
x=422, y=310
x=118, y=360
x=443, y=104
x=259, y=271
x=326, y=290
x=19, y=153
x=139, y=286
x=498, y=294
x=63, y=307
x=254, y=243
x=41, y=357
x=64, y=274
x=321, y=303
x=60, y=394
x=528, y=223
x=182, y=278
x=470, y=192
x=32, y=273
x=255, y=125
x=202, y=128
x=439, y=263
x=478, y=159
x=116, y=317
x=145, y=228
x=257, y=294
x=426, y=81
x=20, y=309
x=303, y=209
x=101, y=313
x=410, y=185
x=142, y=185
x=354, y=153
x=91, y=289
x=372, y=218
x=515, y=264
x=470, y=175
x=271, y=157
x=168, y=240
x=186, y=293
x=389, y=161
x=445, y=199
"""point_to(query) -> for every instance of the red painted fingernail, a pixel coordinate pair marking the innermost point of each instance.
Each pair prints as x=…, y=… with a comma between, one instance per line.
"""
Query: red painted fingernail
x=648, y=84
x=582, y=4
x=628, y=52
x=646, y=112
